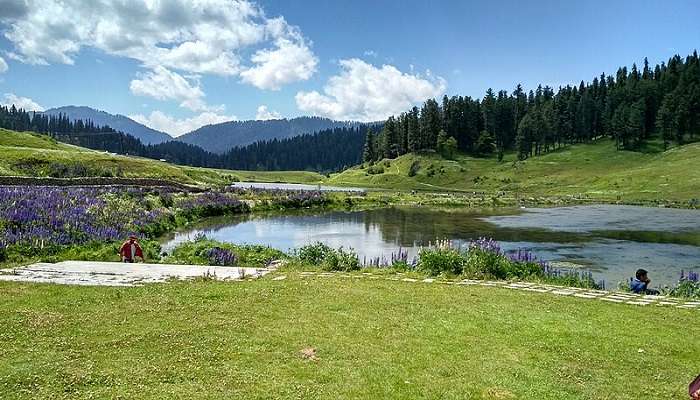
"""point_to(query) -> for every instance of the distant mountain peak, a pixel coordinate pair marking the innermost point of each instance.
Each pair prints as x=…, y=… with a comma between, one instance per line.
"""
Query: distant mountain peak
x=117, y=121
x=218, y=138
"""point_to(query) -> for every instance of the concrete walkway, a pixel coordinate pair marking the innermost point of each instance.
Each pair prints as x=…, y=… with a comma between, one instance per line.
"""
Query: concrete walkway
x=94, y=273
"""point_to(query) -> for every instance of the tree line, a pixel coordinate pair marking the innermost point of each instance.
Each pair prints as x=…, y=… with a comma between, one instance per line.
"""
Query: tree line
x=632, y=107
x=325, y=151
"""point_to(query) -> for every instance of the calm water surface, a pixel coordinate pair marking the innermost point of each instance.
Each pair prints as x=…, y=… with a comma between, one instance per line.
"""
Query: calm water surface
x=294, y=186
x=612, y=241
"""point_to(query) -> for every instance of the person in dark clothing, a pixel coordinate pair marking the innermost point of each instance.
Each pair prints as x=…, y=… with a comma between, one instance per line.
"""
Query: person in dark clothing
x=640, y=283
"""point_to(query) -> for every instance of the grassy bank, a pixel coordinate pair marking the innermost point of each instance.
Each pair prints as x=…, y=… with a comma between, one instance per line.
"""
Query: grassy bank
x=26, y=154
x=373, y=339
x=596, y=170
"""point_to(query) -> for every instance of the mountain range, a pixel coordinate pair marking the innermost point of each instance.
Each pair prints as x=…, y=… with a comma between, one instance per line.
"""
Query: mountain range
x=221, y=137
x=116, y=121
x=217, y=138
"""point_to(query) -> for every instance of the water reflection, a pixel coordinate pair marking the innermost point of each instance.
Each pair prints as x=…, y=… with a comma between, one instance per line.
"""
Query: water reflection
x=611, y=240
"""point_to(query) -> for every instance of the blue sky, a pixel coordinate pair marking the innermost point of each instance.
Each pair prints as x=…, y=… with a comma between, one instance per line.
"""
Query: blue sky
x=175, y=66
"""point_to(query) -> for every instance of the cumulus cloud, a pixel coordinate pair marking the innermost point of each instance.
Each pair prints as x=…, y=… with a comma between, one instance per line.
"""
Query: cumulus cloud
x=24, y=103
x=290, y=61
x=163, y=84
x=3, y=65
x=364, y=92
x=195, y=36
x=264, y=114
x=176, y=127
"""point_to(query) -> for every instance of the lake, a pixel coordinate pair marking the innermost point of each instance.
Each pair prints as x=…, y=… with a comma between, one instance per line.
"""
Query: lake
x=294, y=186
x=612, y=241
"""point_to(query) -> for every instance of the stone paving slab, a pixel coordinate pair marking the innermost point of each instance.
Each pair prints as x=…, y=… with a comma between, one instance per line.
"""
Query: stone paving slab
x=93, y=273
x=581, y=293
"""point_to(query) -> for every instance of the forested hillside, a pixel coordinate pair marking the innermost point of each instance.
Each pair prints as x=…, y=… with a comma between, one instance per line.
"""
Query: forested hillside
x=119, y=122
x=325, y=151
x=634, y=107
x=219, y=138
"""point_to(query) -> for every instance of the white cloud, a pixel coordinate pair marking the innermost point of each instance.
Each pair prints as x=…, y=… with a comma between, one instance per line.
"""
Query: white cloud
x=195, y=36
x=264, y=114
x=176, y=127
x=3, y=65
x=163, y=84
x=24, y=103
x=290, y=61
x=370, y=53
x=364, y=92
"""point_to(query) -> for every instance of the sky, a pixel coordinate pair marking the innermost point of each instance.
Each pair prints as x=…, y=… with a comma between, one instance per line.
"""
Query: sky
x=175, y=65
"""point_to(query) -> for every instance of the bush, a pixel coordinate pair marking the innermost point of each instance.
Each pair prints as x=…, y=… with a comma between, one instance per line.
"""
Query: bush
x=686, y=288
x=204, y=251
x=341, y=260
x=436, y=261
x=413, y=170
x=329, y=259
x=375, y=170
x=313, y=253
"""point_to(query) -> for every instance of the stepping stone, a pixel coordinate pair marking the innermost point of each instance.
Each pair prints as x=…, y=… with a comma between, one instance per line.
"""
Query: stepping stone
x=537, y=290
x=638, y=303
x=518, y=285
x=428, y=280
x=563, y=292
x=686, y=305
x=585, y=296
x=611, y=300
x=596, y=294
x=308, y=273
x=667, y=303
x=279, y=278
x=409, y=280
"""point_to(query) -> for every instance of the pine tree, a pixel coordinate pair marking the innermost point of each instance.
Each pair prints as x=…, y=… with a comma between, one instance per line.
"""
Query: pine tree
x=368, y=154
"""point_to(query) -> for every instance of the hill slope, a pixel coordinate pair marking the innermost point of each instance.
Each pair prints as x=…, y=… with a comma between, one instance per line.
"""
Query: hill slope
x=27, y=154
x=221, y=137
x=596, y=170
x=116, y=121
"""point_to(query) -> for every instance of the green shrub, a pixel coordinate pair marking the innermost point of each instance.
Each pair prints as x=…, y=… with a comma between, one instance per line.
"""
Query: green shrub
x=490, y=265
x=437, y=261
x=687, y=289
x=329, y=259
x=341, y=260
x=313, y=253
x=375, y=170
x=203, y=251
x=413, y=170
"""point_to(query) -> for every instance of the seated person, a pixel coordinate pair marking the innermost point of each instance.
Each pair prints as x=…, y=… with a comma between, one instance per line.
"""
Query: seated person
x=641, y=282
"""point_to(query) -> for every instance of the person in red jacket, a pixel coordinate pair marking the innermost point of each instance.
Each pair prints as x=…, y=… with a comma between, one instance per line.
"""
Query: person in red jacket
x=130, y=250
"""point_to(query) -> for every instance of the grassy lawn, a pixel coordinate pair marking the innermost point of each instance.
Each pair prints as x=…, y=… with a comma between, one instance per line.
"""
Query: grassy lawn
x=596, y=170
x=374, y=339
x=21, y=149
